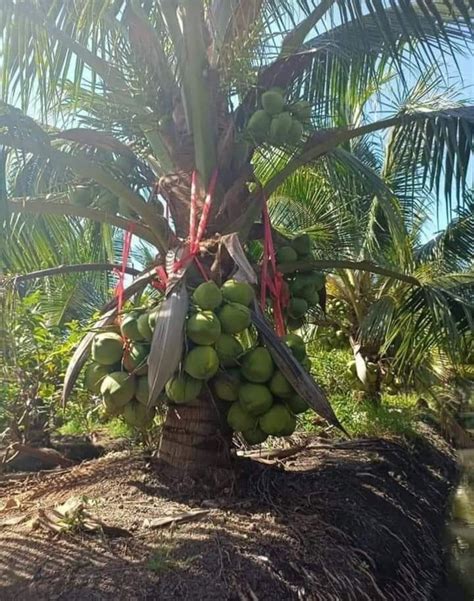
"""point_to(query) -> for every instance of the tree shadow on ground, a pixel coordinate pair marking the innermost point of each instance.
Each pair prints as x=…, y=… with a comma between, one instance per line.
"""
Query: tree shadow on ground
x=348, y=522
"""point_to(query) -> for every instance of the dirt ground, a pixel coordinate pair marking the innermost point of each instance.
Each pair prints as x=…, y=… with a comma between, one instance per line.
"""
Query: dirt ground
x=357, y=520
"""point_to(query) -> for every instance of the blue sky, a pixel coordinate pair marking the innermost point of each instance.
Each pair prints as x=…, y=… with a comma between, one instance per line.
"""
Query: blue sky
x=466, y=90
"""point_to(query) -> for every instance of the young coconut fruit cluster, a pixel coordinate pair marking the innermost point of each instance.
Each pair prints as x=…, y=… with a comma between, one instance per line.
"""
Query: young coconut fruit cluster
x=334, y=336
x=304, y=285
x=213, y=327
x=257, y=399
x=276, y=122
x=119, y=367
x=389, y=383
x=263, y=402
x=96, y=197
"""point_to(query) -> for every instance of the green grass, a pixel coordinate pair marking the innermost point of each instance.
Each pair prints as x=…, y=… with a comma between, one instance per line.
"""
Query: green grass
x=115, y=428
x=396, y=415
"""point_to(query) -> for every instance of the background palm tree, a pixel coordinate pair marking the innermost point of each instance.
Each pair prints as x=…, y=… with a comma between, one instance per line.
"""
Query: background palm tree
x=365, y=204
x=131, y=93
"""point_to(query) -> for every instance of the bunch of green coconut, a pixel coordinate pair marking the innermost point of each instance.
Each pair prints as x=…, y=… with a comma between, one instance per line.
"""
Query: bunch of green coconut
x=389, y=383
x=223, y=352
x=331, y=337
x=277, y=122
x=95, y=197
x=118, y=371
x=304, y=285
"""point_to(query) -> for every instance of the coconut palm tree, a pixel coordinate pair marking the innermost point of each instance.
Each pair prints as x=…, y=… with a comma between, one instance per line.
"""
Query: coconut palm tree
x=132, y=97
x=418, y=298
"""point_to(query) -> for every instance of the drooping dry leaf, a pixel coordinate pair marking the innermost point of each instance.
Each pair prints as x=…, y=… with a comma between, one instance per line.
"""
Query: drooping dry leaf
x=296, y=375
x=245, y=272
x=361, y=367
x=168, y=339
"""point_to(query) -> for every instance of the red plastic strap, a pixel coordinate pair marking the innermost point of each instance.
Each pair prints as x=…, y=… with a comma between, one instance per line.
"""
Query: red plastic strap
x=193, y=212
x=119, y=290
x=162, y=278
x=196, y=237
x=275, y=284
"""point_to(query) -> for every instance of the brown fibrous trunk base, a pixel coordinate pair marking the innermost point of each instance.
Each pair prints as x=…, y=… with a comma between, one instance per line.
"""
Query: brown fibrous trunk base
x=194, y=439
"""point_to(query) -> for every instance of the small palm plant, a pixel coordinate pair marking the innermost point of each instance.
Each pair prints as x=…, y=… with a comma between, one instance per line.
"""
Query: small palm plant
x=145, y=104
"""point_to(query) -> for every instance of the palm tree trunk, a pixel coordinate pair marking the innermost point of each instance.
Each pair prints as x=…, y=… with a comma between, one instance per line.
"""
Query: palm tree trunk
x=194, y=438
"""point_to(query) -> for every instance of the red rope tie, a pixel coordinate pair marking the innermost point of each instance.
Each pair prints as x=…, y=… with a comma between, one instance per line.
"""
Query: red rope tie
x=196, y=237
x=161, y=280
x=119, y=289
x=273, y=285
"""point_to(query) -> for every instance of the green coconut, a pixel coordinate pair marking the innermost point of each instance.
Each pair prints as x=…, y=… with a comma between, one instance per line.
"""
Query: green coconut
x=129, y=326
x=81, y=196
x=234, y=318
x=302, y=281
x=238, y=292
x=136, y=357
x=106, y=201
x=239, y=420
x=296, y=404
x=142, y=391
x=93, y=376
x=125, y=163
x=297, y=307
x=153, y=316
x=295, y=133
x=208, y=296
x=118, y=388
x=280, y=127
x=107, y=348
x=277, y=420
x=319, y=280
x=295, y=324
x=203, y=328
x=259, y=125
x=137, y=415
x=202, y=363
x=144, y=328
x=307, y=364
x=296, y=345
x=307, y=292
x=310, y=296
x=257, y=365
x=256, y=399
x=285, y=254
x=182, y=388
x=280, y=386
x=254, y=436
x=228, y=349
x=226, y=385
x=273, y=102
x=302, y=110
x=372, y=372
x=302, y=244
x=125, y=210
x=290, y=426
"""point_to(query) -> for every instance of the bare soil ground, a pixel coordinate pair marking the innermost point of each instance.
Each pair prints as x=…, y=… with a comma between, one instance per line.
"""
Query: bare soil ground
x=358, y=520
